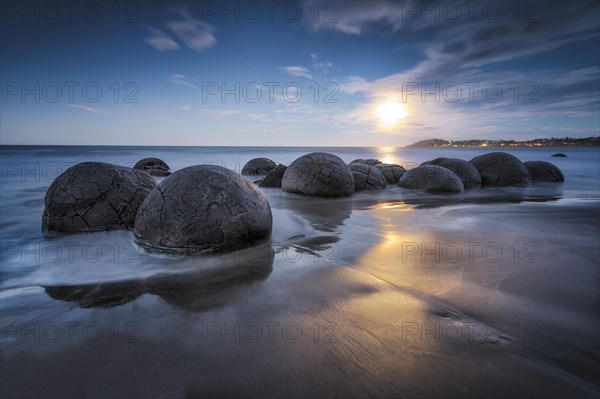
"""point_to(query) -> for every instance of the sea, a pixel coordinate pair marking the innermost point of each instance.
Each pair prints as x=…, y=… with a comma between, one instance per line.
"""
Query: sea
x=394, y=293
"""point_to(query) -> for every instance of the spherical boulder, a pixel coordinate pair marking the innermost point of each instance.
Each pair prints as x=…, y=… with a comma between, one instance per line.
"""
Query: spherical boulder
x=95, y=196
x=318, y=174
x=392, y=172
x=258, y=167
x=274, y=177
x=203, y=208
x=501, y=169
x=153, y=166
x=542, y=171
x=432, y=178
x=370, y=162
x=464, y=170
x=367, y=177
x=559, y=155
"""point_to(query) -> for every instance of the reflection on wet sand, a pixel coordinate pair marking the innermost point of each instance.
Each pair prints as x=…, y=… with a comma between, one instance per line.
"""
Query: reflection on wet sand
x=231, y=278
x=478, y=280
x=328, y=214
x=323, y=214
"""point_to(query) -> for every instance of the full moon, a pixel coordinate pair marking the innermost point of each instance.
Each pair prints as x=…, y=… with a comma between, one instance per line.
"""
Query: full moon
x=390, y=114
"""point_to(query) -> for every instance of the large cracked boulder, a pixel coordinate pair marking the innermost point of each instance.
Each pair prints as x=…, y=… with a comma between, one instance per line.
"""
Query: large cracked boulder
x=432, y=178
x=542, y=171
x=203, y=208
x=370, y=161
x=95, y=196
x=464, y=170
x=391, y=171
x=318, y=174
x=258, y=167
x=274, y=177
x=501, y=169
x=367, y=177
x=153, y=166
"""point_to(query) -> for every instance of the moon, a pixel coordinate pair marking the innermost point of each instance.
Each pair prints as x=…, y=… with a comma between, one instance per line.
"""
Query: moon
x=390, y=114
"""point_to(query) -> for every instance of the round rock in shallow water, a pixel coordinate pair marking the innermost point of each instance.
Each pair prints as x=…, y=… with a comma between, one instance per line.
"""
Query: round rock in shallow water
x=274, y=177
x=367, y=177
x=501, y=169
x=203, y=208
x=258, y=167
x=432, y=178
x=370, y=162
x=542, y=171
x=95, y=196
x=392, y=172
x=559, y=155
x=318, y=174
x=464, y=170
x=153, y=166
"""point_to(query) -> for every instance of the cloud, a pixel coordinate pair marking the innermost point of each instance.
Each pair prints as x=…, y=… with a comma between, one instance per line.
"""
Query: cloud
x=182, y=80
x=354, y=84
x=219, y=113
x=322, y=67
x=262, y=117
x=352, y=17
x=88, y=109
x=196, y=34
x=468, y=53
x=160, y=40
x=186, y=108
x=298, y=71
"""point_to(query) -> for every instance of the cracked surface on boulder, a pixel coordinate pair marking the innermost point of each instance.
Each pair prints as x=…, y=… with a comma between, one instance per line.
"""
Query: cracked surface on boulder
x=501, y=169
x=318, y=174
x=153, y=166
x=258, y=167
x=432, y=178
x=367, y=177
x=391, y=171
x=370, y=162
x=274, y=177
x=203, y=208
x=95, y=196
x=464, y=170
x=542, y=171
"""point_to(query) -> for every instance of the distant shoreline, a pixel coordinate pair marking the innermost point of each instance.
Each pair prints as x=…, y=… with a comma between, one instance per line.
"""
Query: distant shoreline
x=564, y=142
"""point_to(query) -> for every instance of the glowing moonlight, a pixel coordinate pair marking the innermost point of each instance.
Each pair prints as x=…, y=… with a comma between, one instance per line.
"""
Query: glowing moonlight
x=390, y=114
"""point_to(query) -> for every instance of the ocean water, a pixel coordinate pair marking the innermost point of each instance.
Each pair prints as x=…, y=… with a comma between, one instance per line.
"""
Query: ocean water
x=392, y=293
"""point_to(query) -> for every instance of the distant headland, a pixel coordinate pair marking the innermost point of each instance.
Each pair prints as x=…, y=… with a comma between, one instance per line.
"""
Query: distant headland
x=551, y=142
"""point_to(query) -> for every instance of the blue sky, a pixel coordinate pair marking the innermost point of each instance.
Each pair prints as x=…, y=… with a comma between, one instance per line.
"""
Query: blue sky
x=351, y=73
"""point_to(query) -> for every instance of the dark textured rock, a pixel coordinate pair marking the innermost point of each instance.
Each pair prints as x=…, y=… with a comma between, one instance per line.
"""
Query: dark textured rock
x=203, y=208
x=501, y=169
x=153, y=166
x=95, y=196
x=274, y=177
x=318, y=174
x=559, y=155
x=464, y=170
x=392, y=172
x=542, y=171
x=432, y=178
x=258, y=167
x=370, y=162
x=367, y=177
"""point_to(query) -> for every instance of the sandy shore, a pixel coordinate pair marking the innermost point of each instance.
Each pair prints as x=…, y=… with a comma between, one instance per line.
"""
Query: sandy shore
x=363, y=297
